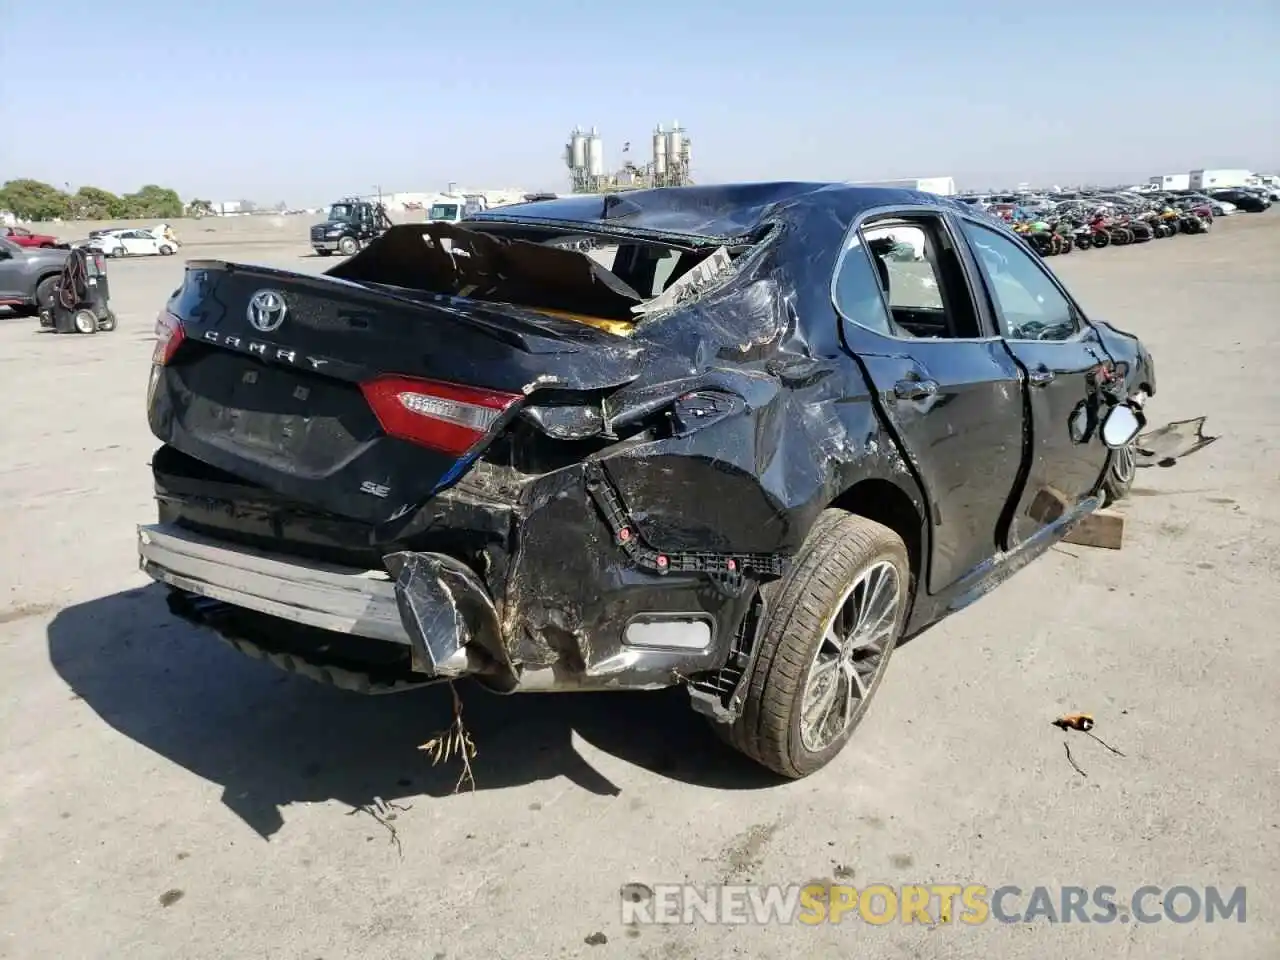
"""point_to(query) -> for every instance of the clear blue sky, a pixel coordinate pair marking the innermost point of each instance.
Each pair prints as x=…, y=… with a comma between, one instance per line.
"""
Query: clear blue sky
x=300, y=100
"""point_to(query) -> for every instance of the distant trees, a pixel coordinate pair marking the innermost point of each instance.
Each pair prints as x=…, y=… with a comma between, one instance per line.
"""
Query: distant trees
x=35, y=200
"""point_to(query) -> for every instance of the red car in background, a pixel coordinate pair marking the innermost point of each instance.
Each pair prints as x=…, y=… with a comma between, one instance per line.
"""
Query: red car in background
x=25, y=238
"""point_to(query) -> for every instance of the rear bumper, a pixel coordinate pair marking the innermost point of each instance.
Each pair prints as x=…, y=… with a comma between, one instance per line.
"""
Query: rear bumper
x=342, y=600
x=431, y=604
x=433, y=609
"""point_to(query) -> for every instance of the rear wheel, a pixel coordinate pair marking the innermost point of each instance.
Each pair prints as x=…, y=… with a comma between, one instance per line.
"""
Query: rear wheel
x=107, y=323
x=45, y=292
x=165, y=250
x=831, y=627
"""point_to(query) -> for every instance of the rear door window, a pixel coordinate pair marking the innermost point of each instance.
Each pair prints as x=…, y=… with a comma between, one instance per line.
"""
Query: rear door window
x=915, y=269
x=1029, y=304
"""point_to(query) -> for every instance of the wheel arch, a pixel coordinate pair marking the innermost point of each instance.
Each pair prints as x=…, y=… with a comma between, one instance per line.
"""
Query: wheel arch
x=886, y=502
x=45, y=274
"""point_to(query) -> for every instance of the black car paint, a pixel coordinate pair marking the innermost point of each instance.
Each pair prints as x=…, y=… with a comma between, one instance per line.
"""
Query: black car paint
x=1247, y=200
x=807, y=418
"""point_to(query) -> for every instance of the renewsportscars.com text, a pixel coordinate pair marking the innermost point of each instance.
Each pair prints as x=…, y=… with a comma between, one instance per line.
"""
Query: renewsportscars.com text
x=967, y=904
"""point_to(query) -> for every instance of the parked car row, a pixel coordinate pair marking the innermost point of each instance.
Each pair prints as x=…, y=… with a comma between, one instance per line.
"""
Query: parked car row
x=1060, y=223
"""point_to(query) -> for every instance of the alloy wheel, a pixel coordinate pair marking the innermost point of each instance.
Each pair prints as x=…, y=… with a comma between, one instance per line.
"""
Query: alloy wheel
x=1124, y=463
x=851, y=656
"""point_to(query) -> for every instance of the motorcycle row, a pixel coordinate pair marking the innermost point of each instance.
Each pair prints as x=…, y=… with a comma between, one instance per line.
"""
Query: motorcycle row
x=1079, y=225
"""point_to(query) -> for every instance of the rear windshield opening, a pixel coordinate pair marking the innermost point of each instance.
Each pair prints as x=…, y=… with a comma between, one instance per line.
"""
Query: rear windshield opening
x=559, y=272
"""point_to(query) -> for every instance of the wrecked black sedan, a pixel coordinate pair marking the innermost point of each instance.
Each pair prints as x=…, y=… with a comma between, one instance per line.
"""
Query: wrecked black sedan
x=744, y=444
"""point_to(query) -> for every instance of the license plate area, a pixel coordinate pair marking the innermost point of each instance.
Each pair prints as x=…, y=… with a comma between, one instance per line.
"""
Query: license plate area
x=294, y=421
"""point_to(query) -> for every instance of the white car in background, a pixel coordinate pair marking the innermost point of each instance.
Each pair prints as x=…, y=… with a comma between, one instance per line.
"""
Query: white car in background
x=135, y=243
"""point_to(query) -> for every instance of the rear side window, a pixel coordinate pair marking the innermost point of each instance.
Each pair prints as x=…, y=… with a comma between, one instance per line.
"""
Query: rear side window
x=913, y=281
x=857, y=290
x=918, y=271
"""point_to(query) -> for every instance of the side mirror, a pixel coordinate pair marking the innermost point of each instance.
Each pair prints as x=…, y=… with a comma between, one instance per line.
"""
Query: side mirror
x=1121, y=426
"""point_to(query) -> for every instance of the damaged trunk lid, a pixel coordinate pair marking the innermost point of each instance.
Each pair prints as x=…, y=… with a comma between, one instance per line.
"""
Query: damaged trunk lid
x=363, y=395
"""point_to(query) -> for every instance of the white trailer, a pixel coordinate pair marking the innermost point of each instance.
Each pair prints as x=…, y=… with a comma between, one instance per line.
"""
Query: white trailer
x=942, y=186
x=1172, y=181
x=1216, y=179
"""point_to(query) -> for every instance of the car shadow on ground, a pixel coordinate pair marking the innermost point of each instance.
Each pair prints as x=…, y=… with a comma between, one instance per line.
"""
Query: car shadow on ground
x=271, y=739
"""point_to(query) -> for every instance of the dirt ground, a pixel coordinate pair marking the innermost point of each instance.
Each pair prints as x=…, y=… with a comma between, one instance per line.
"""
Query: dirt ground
x=162, y=796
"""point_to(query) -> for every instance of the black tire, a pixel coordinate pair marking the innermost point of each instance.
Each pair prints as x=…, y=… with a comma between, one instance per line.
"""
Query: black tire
x=45, y=293
x=348, y=245
x=839, y=550
x=1101, y=240
x=107, y=323
x=165, y=250
x=85, y=321
x=1121, y=470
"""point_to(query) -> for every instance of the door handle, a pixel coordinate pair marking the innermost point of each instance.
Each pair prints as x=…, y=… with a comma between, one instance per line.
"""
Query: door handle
x=915, y=389
x=1040, y=376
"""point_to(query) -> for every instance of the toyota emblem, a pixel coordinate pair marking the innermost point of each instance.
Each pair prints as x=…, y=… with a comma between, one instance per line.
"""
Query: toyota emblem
x=267, y=310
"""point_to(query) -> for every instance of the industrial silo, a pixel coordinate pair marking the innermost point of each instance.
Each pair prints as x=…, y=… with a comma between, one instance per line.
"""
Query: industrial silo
x=577, y=150
x=595, y=154
x=675, y=143
x=659, y=152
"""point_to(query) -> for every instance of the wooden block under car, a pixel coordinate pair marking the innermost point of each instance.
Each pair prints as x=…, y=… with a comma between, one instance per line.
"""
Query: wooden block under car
x=1102, y=528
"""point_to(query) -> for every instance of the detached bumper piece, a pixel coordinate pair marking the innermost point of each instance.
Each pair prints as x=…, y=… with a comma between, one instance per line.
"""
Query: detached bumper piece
x=731, y=574
x=431, y=617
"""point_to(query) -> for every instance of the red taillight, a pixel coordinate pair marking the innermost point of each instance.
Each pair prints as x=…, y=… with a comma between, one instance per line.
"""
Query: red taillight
x=444, y=416
x=169, y=336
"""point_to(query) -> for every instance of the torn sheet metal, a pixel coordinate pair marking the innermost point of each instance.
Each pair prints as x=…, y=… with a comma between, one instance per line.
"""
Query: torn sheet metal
x=1166, y=445
x=713, y=270
x=446, y=611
